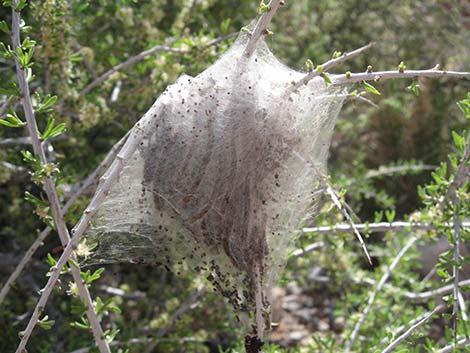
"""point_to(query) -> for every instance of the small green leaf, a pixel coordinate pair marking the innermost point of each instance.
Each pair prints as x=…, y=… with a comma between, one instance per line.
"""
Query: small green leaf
x=50, y=260
x=4, y=27
x=327, y=78
x=390, y=215
x=263, y=8
x=225, y=25
x=336, y=54
x=45, y=323
x=309, y=65
x=459, y=141
x=46, y=104
x=371, y=88
x=12, y=120
x=415, y=88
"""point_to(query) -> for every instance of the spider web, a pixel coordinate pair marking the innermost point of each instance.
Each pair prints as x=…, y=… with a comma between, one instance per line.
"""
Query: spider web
x=225, y=176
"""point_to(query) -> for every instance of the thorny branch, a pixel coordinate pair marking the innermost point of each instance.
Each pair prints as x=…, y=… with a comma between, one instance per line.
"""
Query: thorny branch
x=376, y=227
x=350, y=342
x=49, y=187
x=88, y=182
x=388, y=75
x=323, y=68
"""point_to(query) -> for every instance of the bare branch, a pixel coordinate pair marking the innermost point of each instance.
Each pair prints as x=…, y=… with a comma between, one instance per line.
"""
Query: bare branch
x=338, y=204
x=6, y=105
x=323, y=68
x=451, y=348
x=49, y=187
x=88, y=182
x=388, y=75
x=350, y=342
x=22, y=141
x=261, y=27
x=129, y=62
x=376, y=227
x=415, y=326
x=435, y=293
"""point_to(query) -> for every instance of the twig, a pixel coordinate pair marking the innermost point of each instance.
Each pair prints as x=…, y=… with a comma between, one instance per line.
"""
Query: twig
x=129, y=62
x=455, y=272
x=350, y=342
x=375, y=227
x=388, y=75
x=460, y=176
x=439, y=292
x=261, y=28
x=20, y=141
x=338, y=204
x=323, y=68
x=259, y=305
x=49, y=187
x=6, y=105
x=451, y=348
x=308, y=248
x=398, y=169
x=90, y=180
x=406, y=334
x=108, y=180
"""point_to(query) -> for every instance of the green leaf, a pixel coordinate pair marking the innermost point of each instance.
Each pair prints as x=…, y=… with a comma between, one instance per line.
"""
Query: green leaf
x=390, y=215
x=12, y=120
x=51, y=130
x=50, y=260
x=46, y=104
x=45, y=323
x=225, y=25
x=415, y=88
x=327, y=78
x=4, y=27
x=459, y=141
x=371, y=88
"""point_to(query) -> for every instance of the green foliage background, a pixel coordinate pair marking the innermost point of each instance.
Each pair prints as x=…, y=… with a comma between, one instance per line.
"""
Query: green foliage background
x=78, y=40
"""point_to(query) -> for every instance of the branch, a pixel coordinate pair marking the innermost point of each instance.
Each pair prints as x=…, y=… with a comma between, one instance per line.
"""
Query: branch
x=129, y=62
x=107, y=181
x=377, y=289
x=455, y=272
x=460, y=177
x=90, y=180
x=49, y=187
x=345, y=213
x=375, y=227
x=6, y=105
x=323, y=68
x=261, y=27
x=408, y=333
x=451, y=348
x=26, y=140
x=388, y=75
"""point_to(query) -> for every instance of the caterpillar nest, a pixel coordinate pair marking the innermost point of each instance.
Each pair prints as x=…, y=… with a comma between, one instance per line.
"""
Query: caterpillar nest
x=228, y=169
